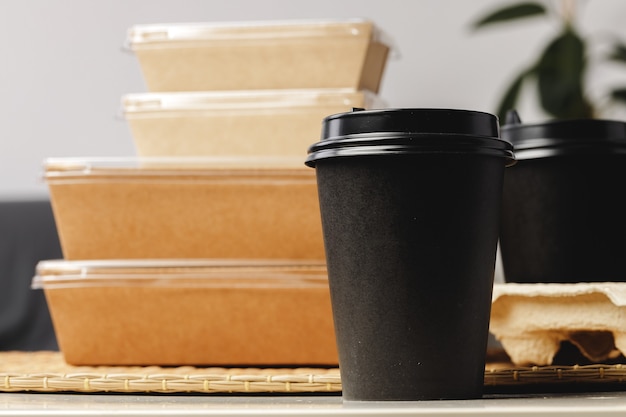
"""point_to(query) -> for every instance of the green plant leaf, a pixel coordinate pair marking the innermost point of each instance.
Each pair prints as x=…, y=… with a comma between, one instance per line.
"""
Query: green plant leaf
x=510, y=96
x=560, y=76
x=618, y=53
x=619, y=95
x=517, y=11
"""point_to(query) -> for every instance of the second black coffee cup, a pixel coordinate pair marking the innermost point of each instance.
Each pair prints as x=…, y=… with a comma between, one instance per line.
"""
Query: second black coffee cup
x=563, y=213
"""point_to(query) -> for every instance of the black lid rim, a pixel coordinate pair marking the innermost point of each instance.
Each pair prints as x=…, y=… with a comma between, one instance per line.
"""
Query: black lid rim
x=407, y=110
x=372, y=137
x=410, y=131
x=565, y=122
x=411, y=140
x=325, y=154
x=572, y=150
x=398, y=149
x=540, y=143
x=397, y=143
x=411, y=120
x=565, y=132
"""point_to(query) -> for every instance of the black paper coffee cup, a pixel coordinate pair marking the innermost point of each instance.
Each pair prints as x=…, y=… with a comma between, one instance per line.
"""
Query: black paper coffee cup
x=410, y=207
x=563, y=211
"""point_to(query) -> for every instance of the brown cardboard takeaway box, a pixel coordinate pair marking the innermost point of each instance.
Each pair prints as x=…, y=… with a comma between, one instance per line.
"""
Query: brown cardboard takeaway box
x=259, y=122
x=210, y=207
x=190, y=312
x=340, y=53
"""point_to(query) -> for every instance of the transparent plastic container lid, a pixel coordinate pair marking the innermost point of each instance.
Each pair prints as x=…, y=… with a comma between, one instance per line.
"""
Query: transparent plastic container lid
x=206, y=273
x=248, y=99
x=209, y=166
x=144, y=35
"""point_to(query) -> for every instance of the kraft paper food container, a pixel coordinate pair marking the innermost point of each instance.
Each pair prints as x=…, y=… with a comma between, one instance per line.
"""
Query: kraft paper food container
x=194, y=312
x=254, y=122
x=211, y=207
x=340, y=53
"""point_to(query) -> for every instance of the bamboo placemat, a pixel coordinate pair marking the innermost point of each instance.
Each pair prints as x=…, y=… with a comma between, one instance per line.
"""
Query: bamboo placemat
x=48, y=372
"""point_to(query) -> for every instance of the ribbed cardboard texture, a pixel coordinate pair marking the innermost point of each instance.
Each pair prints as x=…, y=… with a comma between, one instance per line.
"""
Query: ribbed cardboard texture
x=249, y=55
x=261, y=122
x=181, y=212
x=531, y=320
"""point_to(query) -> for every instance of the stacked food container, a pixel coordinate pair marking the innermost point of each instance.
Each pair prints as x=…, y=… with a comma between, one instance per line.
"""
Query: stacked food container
x=206, y=247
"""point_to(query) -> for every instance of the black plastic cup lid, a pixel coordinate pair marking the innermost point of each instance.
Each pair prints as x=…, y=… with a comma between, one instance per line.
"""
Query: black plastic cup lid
x=564, y=137
x=410, y=131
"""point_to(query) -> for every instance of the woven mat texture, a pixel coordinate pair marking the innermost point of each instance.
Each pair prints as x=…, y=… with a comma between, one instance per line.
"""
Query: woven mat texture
x=48, y=372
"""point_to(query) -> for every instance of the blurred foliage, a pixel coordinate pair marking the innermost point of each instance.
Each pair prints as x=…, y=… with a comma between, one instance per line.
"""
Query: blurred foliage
x=560, y=69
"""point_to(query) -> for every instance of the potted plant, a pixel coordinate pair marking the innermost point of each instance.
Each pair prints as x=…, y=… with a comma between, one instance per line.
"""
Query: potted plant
x=563, y=216
x=560, y=72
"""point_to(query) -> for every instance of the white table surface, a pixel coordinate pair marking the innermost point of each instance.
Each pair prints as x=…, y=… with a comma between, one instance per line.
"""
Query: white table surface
x=39, y=404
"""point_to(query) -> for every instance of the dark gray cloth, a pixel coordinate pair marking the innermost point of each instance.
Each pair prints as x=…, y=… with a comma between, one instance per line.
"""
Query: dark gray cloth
x=28, y=234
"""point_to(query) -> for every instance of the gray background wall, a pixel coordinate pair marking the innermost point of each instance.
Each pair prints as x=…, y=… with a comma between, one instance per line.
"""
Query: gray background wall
x=64, y=69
